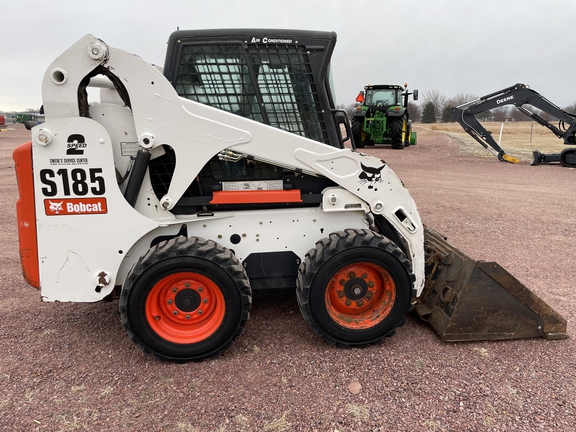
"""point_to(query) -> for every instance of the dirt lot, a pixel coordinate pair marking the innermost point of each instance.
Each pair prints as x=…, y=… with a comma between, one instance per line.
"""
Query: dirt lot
x=71, y=366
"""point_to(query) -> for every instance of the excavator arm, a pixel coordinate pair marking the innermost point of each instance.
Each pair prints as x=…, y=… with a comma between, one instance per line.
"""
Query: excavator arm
x=517, y=95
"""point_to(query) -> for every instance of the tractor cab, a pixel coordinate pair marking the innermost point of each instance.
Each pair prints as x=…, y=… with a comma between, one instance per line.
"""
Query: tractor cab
x=383, y=96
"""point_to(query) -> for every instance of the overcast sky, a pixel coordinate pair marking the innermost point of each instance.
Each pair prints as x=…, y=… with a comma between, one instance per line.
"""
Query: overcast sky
x=452, y=46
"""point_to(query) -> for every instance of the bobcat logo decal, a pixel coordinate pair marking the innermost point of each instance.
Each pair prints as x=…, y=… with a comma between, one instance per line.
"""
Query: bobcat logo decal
x=56, y=207
x=370, y=175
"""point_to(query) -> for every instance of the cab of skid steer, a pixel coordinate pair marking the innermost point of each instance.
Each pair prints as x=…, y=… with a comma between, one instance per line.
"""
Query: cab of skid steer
x=277, y=77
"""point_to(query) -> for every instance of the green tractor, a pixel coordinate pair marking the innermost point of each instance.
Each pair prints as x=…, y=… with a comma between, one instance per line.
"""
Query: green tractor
x=24, y=117
x=381, y=116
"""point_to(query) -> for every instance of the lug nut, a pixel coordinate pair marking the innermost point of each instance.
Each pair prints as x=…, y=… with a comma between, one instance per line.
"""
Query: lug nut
x=175, y=313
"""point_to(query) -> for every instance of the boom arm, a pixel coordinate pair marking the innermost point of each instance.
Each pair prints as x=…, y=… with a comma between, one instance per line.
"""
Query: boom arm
x=518, y=95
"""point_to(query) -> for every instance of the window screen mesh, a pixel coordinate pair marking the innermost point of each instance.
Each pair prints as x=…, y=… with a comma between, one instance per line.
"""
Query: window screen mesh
x=272, y=84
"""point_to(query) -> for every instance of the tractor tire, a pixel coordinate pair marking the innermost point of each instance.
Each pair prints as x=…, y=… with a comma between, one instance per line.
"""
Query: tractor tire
x=397, y=126
x=186, y=299
x=354, y=288
x=356, y=128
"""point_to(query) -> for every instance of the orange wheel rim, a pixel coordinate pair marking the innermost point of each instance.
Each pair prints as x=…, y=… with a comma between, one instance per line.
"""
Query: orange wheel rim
x=360, y=296
x=185, y=308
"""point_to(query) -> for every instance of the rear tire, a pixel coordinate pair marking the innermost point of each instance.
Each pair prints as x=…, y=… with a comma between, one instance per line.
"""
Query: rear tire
x=354, y=288
x=396, y=127
x=186, y=299
x=357, y=123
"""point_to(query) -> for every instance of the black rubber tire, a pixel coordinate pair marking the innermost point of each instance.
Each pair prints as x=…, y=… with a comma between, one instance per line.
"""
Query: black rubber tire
x=396, y=125
x=338, y=253
x=356, y=128
x=186, y=259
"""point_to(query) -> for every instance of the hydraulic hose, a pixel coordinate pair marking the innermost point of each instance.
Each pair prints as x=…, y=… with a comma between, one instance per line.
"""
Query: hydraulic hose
x=137, y=177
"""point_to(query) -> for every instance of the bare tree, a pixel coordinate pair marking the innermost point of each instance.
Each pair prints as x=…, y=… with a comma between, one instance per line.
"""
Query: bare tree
x=437, y=98
x=570, y=108
x=543, y=114
x=348, y=108
x=518, y=115
x=461, y=99
x=500, y=114
x=456, y=101
x=414, y=112
x=505, y=113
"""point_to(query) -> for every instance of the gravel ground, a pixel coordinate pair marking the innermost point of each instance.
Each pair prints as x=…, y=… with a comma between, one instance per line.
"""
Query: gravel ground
x=71, y=367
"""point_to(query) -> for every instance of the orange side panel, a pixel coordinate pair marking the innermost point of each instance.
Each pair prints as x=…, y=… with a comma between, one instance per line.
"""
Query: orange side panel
x=256, y=197
x=26, y=214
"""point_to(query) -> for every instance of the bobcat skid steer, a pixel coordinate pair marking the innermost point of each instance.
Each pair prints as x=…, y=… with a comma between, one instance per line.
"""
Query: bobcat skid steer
x=182, y=209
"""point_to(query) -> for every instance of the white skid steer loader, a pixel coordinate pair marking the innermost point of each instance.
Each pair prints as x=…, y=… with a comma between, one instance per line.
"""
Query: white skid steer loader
x=180, y=192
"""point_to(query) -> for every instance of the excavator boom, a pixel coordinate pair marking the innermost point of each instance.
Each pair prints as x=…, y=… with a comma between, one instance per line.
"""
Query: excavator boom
x=517, y=95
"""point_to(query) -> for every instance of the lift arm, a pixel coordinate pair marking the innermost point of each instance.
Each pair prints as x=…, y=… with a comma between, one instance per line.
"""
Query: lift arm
x=517, y=95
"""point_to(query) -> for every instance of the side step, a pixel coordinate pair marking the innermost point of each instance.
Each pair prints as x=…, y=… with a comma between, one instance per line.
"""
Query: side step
x=467, y=300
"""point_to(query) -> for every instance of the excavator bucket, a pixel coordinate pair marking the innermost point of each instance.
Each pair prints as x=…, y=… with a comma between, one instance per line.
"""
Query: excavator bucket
x=468, y=300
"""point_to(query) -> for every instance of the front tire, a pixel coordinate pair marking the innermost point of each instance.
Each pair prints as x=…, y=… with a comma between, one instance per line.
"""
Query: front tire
x=186, y=299
x=354, y=288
